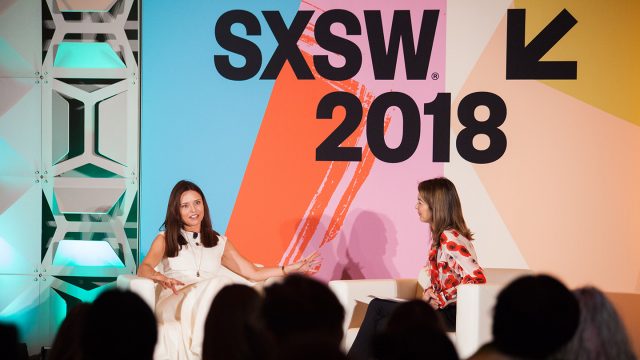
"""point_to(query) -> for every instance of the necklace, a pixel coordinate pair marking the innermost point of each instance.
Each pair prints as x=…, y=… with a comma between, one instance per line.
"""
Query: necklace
x=195, y=261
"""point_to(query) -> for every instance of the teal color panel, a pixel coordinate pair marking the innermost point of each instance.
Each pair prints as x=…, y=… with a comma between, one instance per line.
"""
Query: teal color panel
x=87, y=56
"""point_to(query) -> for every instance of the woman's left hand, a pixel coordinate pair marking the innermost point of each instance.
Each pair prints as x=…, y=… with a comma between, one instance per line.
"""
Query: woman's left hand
x=309, y=265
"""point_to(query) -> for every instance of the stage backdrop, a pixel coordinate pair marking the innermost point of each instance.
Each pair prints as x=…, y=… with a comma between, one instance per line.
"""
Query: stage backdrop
x=310, y=124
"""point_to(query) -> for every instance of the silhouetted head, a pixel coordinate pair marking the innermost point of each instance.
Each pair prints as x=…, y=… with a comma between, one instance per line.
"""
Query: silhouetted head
x=534, y=317
x=601, y=334
x=234, y=328
x=119, y=325
x=302, y=307
x=414, y=331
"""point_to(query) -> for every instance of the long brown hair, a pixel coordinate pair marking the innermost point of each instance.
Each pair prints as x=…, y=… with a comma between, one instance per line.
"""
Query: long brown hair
x=446, y=212
x=173, y=221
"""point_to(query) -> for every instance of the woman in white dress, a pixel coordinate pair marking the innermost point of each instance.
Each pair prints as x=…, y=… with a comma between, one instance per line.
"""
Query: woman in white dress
x=195, y=265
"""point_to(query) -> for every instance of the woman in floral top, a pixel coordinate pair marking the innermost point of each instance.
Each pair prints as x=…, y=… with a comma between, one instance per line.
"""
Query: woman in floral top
x=451, y=261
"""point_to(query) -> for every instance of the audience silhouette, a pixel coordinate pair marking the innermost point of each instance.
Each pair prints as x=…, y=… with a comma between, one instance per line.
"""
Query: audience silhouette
x=67, y=344
x=305, y=318
x=601, y=334
x=234, y=329
x=9, y=347
x=115, y=319
x=535, y=317
x=414, y=331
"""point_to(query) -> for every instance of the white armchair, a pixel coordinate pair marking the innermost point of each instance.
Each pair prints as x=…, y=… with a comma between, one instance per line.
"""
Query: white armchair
x=474, y=310
x=144, y=287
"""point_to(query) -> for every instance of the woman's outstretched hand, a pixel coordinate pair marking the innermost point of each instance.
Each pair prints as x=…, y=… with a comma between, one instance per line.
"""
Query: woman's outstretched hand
x=168, y=283
x=309, y=265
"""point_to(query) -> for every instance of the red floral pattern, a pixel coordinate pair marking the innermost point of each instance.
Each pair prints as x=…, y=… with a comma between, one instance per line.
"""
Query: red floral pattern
x=452, y=264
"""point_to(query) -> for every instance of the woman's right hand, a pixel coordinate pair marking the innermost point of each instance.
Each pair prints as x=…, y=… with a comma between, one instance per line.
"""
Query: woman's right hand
x=167, y=282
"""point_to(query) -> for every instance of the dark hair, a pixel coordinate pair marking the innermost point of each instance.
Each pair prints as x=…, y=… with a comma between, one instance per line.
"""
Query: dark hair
x=302, y=307
x=173, y=221
x=414, y=331
x=114, y=318
x=446, y=212
x=234, y=328
x=601, y=334
x=67, y=344
x=534, y=317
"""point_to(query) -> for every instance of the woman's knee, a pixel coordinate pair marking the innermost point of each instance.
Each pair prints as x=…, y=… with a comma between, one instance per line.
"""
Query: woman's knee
x=382, y=307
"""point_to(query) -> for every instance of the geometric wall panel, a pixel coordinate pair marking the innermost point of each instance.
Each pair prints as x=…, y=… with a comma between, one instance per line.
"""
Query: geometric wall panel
x=78, y=195
x=84, y=135
x=85, y=253
x=18, y=294
x=92, y=210
x=20, y=232
x=20, y=38
x=13, y=188
x=20, y=305
x=68, y=157
x=12, y=163
x=111, y=28
x=13, y=92
x=112, y=128
x=60, y=136
x=53, y=306
x=20, y=124
x=59, y=294
x=85, y=5
x=103, y=264
x=21, y=168
x=86, y=56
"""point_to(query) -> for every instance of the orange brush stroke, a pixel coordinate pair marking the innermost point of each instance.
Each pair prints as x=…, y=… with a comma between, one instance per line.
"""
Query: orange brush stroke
x=362, y=171
x=282, y=176
x=285, y=195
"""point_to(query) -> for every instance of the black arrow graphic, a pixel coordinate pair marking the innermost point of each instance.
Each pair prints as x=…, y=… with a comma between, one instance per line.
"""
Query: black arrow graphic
x=523, y=62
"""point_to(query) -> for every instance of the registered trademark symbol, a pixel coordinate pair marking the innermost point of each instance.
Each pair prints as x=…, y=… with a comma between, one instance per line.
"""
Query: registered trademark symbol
x=435, y=76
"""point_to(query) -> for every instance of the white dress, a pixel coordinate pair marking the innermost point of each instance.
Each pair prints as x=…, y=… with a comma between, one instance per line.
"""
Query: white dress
x=181, y=316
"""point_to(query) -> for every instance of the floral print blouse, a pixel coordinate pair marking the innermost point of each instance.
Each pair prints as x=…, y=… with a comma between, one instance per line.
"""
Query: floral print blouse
x=453, y=263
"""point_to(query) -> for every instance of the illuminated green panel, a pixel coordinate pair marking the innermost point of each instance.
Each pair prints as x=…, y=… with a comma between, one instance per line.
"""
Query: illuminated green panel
x=87, y=56
x=86, y=253
x=58, y=310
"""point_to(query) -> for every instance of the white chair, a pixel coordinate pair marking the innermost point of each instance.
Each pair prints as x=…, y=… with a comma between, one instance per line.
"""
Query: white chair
x=474, y=305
